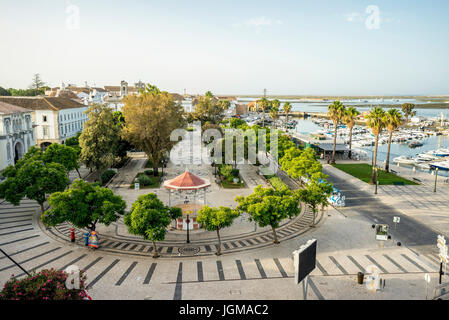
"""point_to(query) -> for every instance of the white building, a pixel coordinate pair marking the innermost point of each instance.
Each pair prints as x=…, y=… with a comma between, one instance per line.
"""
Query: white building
x=16, y=133
x=55, y=118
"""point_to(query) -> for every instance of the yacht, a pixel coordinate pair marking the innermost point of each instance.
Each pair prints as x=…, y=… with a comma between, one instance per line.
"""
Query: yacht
x=404, y=160
x=439, y=153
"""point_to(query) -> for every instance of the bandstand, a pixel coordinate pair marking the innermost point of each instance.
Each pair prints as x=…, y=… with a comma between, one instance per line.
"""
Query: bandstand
x=188, y=192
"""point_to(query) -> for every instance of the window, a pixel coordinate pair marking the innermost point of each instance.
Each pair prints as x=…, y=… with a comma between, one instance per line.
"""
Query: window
x=44, y=118
x=45, y=128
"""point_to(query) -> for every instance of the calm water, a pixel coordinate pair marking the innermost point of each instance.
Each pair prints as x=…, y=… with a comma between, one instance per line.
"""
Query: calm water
x=310, y=106
x=397, y=149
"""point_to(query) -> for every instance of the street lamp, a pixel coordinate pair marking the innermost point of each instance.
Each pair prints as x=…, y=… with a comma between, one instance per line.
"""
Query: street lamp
x=436, y=179
x=186, y=201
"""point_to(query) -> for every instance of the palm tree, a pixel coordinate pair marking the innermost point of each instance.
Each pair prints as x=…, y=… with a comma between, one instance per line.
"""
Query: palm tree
x=263, y=103
x=336, y=112
x=349, y=119
x=375, y=121
x=393, y=120
x=274, y=112
x=287, y=108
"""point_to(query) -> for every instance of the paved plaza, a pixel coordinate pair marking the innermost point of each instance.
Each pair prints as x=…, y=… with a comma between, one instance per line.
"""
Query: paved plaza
x=251, y=267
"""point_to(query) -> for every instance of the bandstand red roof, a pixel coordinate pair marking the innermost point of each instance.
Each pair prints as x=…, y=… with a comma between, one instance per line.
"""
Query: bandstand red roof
x=186, y=181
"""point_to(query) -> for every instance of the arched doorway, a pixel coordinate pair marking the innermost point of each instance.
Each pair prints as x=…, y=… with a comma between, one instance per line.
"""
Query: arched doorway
x=18, y=151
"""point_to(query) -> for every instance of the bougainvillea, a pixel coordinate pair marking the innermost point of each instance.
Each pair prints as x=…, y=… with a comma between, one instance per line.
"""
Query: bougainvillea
x=48, y=284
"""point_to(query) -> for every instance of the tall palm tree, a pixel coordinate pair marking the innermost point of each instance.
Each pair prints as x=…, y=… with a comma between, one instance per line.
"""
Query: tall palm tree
x=393, y=120
x=375, y=121
x=274, y=112
x=263, y=104
x=287, y=108
x=349, y=119
x=336, y=112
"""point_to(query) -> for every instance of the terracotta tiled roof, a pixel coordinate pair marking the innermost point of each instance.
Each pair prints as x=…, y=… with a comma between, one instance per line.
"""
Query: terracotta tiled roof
x=6, y=108
x=186, y=181
x=42, y=103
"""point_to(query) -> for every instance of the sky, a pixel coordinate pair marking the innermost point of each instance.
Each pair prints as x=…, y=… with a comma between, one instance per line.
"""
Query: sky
x=289, y=47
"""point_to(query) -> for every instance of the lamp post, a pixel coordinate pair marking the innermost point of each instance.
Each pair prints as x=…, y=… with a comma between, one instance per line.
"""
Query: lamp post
x=186, y=201
x=436, y=179
x=188, y=221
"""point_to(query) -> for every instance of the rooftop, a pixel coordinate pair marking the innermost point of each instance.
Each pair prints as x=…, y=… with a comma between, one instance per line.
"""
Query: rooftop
x=6, y=108
x=42, y=103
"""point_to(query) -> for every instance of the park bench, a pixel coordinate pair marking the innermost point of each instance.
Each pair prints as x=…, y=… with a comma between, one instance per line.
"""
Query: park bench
x=393, y=171
x=417, y=180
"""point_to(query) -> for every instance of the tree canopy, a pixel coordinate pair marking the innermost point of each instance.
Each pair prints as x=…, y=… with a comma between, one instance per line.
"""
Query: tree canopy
x=63, y=154
x=149, y=121
x=149, y=218
x=268, y=207
x=33, y=179
x=84, y=205
x=215, y=219
x=99, y=138
x=315, y=194
x=209, y=109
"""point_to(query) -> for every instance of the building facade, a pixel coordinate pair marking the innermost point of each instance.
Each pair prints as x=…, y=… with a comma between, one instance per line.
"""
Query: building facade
x=55, y=118
x=16, y=133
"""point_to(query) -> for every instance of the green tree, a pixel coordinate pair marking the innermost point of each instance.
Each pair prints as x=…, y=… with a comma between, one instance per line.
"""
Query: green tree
x=375, y=121
x=315, y=194
x=263, y=104
x=300, y=163
x=408, y=110
x=149, y=120
x=84, y=205
x=63, y=154
x=268, y=207
x=99, y=138
x=336, y=112
x=209, y=109
x=215, y=219
x=4, y=92
x=236, y=123
x=74, y=143
x=349, y=118
x=37, y=82
x=33, y=179
x=149, y=218
x=122, y=145
x=287, y=108
x=274, y=111
x=393, y=120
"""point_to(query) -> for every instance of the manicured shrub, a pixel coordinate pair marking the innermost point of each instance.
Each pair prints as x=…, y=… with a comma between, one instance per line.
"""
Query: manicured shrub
x=235, y=173
x=148, y=172
x=144, y=180
x=44, y=285
x=106, y=176
x=225, y=171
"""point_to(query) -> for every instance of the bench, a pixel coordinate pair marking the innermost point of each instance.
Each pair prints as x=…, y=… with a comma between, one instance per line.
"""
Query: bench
x=393, y=171
x=417, y=180
x=398, y=183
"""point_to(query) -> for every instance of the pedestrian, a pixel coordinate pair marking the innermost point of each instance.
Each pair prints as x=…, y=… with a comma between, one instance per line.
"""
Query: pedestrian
x=93, y=240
